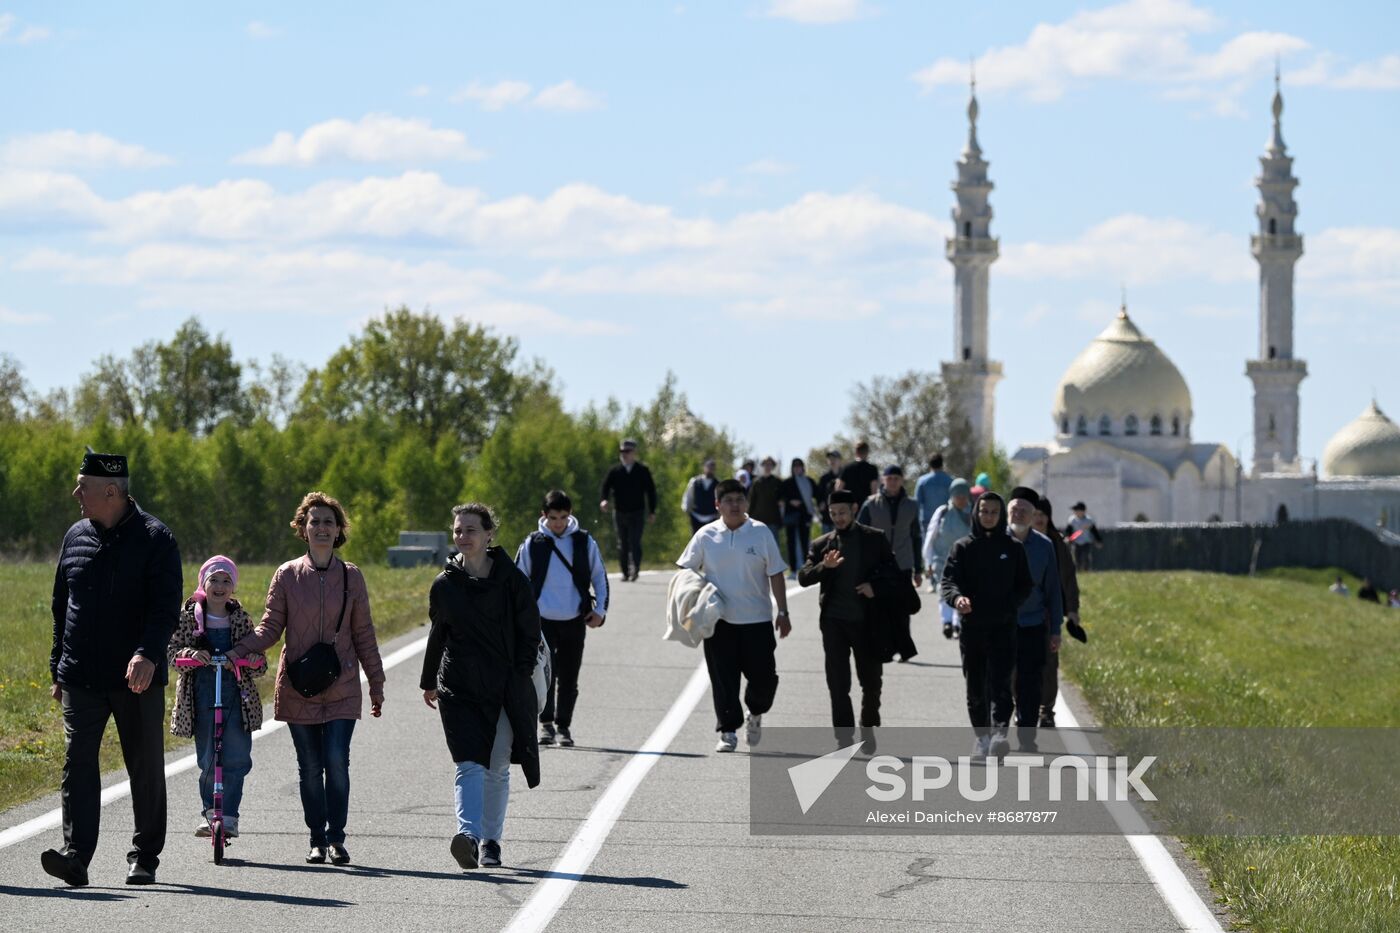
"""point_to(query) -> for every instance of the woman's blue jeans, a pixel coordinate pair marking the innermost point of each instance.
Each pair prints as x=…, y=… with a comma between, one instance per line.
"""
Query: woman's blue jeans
x=323, y=762
x=482, y=793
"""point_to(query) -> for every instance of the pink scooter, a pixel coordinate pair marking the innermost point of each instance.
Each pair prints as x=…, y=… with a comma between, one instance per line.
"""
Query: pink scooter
x=216, y=813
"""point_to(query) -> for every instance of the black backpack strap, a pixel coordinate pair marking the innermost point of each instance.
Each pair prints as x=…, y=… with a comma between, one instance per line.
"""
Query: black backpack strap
x=539, y=561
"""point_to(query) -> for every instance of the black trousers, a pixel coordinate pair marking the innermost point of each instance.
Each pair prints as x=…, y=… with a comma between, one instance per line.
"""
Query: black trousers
x=696, y=524
x=629, y=527
x=988, y=657
x=1030, y=672
x=741, y=649
x=140, y=718
x=566, y=657
x=841, y=639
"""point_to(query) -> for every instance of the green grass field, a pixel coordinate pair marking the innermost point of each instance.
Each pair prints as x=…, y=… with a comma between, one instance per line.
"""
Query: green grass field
x=31, y=724
x=1195, y=649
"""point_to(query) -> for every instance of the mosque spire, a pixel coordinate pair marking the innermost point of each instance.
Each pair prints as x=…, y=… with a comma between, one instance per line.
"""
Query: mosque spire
x=974, y=149
x=1276, y=147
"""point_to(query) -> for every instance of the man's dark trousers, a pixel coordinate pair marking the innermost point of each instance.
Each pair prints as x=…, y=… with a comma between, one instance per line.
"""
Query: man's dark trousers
x=741, y=649
x=1031, y=646
x=841, y=639
x=565, y=640
x=988, y=655
x=140, y=720
x=629, y=527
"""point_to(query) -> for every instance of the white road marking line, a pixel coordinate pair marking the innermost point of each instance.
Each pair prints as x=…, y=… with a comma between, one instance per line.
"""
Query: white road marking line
x=1180, y=896
x=54, y=818
x=551, y=893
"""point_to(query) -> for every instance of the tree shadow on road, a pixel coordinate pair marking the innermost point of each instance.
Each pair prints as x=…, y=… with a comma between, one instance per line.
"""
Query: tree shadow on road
x=287, y=900
x=506, y=875
x=78, y=894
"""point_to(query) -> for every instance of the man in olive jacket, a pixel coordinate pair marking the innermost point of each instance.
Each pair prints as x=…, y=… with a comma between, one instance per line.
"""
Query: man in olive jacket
x=986, y=578
x=849, y=563
x=117, y=594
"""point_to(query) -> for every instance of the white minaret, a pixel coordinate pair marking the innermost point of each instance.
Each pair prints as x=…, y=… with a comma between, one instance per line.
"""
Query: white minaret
x=971, y=377
x=1277, y=246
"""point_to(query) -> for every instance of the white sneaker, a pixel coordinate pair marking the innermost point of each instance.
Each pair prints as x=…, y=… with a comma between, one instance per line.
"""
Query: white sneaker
x=1000, y=744
x=753, y=729
x=980, y=746
x=202, y=830
x=728, y=742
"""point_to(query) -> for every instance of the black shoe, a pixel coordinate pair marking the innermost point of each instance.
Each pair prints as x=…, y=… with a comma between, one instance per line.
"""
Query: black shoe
x=139, y=874
x=66, y=868
x=338, y=854
x=565, y=739
x=948, y=630
x=316, y=855
x=547, y=733
x=1047, y=720
x=490, y=853
x=464, y=850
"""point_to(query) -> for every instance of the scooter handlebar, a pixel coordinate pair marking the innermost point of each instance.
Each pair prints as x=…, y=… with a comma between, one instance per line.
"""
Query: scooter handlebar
x=195, y=662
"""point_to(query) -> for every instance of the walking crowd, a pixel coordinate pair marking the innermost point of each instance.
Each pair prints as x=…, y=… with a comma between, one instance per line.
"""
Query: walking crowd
x=507, y=633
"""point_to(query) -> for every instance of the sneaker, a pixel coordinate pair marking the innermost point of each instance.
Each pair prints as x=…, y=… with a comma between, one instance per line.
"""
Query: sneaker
x=957, y=631
x=1047, y=719
x=1000, y=744
x=980, y=746
x=231, y=827
x=547, y=733
x=338, y=853
x=565, y=739
x=202, y=830
x=728, y=742
x=316, y=855
x=464, y=850
x=491, y=852
x=753, y=729
x=947, y=630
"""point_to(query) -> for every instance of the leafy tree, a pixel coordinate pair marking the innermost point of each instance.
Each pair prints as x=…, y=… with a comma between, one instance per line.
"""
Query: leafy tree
x=997, y=466
x=905, y=419
x=413, y=371
x=14, y=391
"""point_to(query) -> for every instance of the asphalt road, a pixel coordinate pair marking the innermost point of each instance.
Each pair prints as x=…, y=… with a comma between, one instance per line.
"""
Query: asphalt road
x=679, y=855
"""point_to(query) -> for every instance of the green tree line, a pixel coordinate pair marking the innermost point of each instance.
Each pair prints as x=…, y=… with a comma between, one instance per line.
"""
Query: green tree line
x=411, y=416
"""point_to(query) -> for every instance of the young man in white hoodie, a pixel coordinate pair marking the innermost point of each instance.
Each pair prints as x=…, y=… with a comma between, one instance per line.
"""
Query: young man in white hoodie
x=570, y=585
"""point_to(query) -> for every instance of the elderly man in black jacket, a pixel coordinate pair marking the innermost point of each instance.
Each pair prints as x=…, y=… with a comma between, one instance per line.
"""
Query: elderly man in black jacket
x=986, y=578
x=852, y=563
x=116, y=599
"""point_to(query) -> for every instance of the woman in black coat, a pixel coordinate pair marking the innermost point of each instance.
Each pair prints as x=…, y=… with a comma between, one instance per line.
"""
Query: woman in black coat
x=477, y=673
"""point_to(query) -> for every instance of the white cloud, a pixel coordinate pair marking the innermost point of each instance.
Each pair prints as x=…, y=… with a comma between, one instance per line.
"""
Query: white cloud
x=12, y=32
x=338, y=282
x=1383, y=74
x=566, y=95
x=71, y=149
x=1363, y=262
x=421, y=90
x=818, y=11
x=376, y=137
x=20, y=319
x=261, y=30
x=1148, y=41
x=1137, y=250
x=716, y=188
x=496, y=96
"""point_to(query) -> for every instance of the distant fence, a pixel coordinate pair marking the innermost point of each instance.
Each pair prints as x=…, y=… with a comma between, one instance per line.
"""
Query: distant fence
x=1232, y=548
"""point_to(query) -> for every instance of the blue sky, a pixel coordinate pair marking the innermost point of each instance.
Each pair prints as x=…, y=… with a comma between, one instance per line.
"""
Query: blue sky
x=751, y=193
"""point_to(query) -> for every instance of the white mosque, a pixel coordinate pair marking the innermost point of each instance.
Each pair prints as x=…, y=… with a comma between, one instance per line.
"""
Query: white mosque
x=1122, y=411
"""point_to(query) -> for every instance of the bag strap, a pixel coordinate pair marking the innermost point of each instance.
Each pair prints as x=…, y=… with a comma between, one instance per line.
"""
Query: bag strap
x=345, y=599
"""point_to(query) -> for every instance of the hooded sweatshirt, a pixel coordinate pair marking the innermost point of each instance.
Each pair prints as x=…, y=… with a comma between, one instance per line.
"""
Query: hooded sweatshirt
x=558, y=600
x=990, y=568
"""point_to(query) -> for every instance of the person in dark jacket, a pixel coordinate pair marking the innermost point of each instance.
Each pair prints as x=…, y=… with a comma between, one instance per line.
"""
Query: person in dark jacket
x=894, y=513
x=1044, y=523
x=860, y=476
x=847, y=563
x=986, y=578
x=826, y=485
x=629, y=491
x=117, y=593
x=765, y=499
x=477, y=667
x=799, y=500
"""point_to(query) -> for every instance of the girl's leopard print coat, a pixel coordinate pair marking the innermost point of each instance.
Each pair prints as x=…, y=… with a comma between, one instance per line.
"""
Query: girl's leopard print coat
x=182, y=716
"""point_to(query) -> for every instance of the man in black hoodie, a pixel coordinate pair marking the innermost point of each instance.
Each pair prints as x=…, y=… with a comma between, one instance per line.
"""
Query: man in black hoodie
x=986, y=578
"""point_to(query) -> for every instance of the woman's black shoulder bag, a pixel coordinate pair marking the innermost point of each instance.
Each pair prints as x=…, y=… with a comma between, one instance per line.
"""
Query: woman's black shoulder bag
x=319, y=667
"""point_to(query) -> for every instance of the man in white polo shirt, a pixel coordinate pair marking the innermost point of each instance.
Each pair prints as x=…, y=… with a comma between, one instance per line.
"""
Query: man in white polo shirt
x=741, y=558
